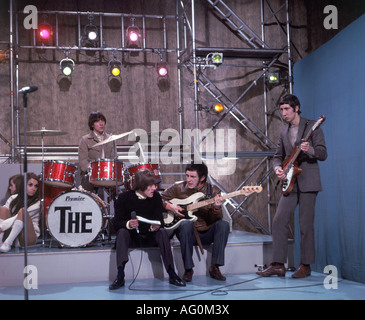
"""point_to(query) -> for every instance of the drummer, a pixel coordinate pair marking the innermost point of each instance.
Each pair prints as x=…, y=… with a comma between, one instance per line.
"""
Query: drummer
x=88, y=153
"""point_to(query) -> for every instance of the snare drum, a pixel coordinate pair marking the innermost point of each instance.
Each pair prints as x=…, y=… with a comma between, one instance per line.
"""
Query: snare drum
x=59, y=173
x=132, y=170
x=75, y=218
x=104, y=173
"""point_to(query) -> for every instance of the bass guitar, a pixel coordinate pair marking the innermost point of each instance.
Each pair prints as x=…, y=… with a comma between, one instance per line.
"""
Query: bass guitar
x=193, y=203
x=290, y=164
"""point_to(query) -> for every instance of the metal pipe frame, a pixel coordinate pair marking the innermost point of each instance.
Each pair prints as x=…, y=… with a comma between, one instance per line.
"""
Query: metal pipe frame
x=191, y=63
x=230, y=107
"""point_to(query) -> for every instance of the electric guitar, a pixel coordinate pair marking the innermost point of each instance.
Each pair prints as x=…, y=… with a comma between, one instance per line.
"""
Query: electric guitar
x=193, y=203
x=290, y=164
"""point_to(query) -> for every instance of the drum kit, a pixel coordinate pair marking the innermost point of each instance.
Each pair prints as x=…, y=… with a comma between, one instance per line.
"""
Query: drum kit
x=73, y=216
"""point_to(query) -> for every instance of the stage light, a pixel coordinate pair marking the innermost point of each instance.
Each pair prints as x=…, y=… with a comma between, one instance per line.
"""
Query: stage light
x=218, y=107
x=4, y=55
x=114, y=77
x=273, y=77
x=217, y=58
x=161, y=69
x=44, y=33
x=90, y=30
x=115, y=67
x=133, y=34
x=133, y=37
x=67, y=66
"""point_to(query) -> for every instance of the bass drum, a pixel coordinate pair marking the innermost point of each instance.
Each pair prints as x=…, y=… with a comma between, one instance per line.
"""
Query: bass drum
x=75, y=218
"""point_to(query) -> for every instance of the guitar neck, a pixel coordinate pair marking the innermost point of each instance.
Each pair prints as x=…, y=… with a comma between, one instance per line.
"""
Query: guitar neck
x=315, y=127
x=244, y=191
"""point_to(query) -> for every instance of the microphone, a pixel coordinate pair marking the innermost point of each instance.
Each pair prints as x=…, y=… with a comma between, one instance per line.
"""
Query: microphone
x=134, y=216
x=28, y=89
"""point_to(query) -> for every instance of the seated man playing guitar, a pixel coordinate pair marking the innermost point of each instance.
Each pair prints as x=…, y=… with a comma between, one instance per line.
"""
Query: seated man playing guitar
x=207, y=227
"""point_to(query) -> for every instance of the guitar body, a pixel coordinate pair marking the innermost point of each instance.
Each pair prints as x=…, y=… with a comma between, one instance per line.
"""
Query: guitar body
x=172, y=221
x=193, y=203
x=292, y=171
x=290, y=164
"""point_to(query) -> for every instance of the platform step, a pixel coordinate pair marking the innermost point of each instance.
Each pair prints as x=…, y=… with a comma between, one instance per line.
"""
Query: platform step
x=98, y=263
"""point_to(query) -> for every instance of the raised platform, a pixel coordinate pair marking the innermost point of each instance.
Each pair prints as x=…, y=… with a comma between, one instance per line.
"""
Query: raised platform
x=97, y=261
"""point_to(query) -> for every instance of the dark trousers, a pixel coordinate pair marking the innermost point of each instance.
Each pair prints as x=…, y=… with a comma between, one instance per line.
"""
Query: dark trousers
x=217, y=234
x=280, y=226
x=130, y=239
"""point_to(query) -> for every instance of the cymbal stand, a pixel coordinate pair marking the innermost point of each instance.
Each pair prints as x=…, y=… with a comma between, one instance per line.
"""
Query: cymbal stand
x=25, y=171
x=42, y=199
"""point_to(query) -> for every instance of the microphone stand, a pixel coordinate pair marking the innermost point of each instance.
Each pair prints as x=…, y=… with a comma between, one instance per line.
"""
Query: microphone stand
x=25, y=171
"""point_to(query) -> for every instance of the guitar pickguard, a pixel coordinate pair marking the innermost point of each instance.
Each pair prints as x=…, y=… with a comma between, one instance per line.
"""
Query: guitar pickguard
x=172, y=221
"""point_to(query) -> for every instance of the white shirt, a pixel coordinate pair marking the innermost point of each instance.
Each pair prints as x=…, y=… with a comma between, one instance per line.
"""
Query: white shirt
x=33, y=212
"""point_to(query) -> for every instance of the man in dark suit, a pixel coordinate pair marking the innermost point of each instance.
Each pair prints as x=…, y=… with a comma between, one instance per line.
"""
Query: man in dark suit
x=145, y=202
x=305, y=190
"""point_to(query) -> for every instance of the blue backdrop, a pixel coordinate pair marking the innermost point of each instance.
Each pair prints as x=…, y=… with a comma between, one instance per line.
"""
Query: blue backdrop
x=331, y=81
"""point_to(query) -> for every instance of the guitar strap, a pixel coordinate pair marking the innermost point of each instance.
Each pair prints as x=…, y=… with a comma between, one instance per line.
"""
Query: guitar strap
x=208, y=195
x=209, y=192
x=199, y=242
x=305, y=128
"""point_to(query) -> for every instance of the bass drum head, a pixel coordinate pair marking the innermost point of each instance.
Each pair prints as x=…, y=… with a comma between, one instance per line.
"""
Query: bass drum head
x=74, y=218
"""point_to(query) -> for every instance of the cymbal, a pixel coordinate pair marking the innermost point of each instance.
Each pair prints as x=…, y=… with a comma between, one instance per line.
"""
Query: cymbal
x=112, y=138
x=45, y=132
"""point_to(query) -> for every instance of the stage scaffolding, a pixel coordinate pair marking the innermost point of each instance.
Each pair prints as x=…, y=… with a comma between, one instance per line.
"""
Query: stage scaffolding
x=190, y=58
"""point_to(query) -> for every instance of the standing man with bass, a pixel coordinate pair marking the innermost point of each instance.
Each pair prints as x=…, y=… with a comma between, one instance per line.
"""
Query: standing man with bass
x=306, y=187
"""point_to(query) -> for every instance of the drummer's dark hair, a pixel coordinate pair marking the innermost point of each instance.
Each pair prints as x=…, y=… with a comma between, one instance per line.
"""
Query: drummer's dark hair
x=94, y=117
x=143, y=179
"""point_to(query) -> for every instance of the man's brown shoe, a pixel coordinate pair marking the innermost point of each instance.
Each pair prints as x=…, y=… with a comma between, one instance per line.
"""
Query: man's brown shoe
x=273, y=270
x=302, y=271
x=188, y=275
x=215, y=273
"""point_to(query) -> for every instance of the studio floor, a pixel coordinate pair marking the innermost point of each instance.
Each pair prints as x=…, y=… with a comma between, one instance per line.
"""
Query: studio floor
x=85, y=274
x=236, y=287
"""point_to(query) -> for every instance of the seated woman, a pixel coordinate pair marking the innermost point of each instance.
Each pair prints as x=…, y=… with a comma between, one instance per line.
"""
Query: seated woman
x=12, y=215
x=14, y=184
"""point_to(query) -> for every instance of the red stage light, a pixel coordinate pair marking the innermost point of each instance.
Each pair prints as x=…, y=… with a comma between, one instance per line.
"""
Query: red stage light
x=44, y=33
x=162, y=69
x=133, y=34
x=162, y=72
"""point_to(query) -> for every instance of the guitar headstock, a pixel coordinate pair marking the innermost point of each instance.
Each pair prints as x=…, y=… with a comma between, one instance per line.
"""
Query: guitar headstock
x=251, y=189
x=320, y=120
